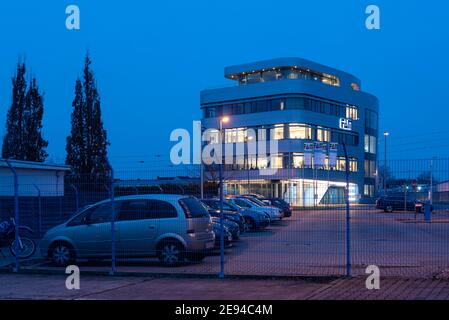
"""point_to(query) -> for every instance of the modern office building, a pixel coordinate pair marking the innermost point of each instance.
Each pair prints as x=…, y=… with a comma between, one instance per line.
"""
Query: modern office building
x=296, y=102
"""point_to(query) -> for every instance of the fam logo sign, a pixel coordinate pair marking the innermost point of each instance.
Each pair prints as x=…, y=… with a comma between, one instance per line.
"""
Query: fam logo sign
x=345, y=124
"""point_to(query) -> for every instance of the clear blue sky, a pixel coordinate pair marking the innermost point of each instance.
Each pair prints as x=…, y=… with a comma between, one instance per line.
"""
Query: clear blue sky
x=152, y=58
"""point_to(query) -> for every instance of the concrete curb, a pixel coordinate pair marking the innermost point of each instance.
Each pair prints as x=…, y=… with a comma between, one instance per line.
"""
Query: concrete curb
x=319, y=279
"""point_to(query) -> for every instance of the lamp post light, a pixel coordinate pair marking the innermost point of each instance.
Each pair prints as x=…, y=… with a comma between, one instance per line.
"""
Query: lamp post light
x=386, y=134
x=224, y=119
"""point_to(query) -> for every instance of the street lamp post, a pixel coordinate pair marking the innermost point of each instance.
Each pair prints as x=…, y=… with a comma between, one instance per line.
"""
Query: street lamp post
x=386, y=134
x=221, y=275
x=202, y=165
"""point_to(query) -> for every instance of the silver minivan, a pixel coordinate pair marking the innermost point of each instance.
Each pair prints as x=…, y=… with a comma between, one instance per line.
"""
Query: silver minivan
x=171, y=227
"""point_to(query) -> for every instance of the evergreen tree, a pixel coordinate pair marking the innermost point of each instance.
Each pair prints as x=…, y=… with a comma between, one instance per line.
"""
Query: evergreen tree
x=12, y=147
x=23, y=139
x=87, y=144
x=34, y=110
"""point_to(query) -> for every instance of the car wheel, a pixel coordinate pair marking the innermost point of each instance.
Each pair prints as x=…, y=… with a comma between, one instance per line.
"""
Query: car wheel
x=171, y=253
x=62, y=254
x=389, y=209
x=250, y=225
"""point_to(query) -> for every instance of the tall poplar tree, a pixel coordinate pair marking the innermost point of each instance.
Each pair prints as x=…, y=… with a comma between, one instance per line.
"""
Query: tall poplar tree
x=23, y=139
x=33, y=113
x=12, y=147
x=87, y=144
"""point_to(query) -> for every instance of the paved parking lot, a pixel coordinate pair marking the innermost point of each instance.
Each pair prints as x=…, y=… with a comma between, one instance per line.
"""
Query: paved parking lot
x=312, y=243
x=150, y=288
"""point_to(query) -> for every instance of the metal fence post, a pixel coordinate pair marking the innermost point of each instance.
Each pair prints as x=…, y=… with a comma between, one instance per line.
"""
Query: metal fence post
x=348, y=216
x=76, y=196
x=221, y=275
x=16, y=212
x=113, y=217
x=39, y=210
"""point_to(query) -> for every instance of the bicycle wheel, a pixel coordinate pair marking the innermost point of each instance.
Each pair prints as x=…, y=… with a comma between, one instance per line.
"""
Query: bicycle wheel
x=24, y=251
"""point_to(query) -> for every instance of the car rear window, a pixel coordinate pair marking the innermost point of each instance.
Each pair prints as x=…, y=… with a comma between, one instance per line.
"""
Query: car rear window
x=193, y=208
x=143, y=209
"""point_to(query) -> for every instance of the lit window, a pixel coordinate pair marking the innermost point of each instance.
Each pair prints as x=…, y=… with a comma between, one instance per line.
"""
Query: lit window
x=276, y=161
x=252, y=161
x=262, y=162
x=277, y=133
x=373, y=144
x=250, y=135
x=330, y=80
x=366, y=143
x=370, y=169
x=262, y=134
x=368, y=190
x=370, y=144
x=235, y=135
x=292, y=75
x=298, y=160
x=323, y=135
x=211, y=136
x=341, y=164
x=352, y=112
x=300, y=131
x=353, y=165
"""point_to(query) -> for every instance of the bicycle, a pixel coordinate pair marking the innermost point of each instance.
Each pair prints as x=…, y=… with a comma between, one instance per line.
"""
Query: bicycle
x=24, y=247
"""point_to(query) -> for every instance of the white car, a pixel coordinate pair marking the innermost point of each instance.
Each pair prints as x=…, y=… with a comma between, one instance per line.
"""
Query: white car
x=274, y=213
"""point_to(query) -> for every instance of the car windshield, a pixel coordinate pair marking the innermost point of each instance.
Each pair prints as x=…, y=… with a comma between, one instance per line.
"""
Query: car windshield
x=229, y=206
x=243, y=203
x=216, y=205
x=259, y=202
x=254, y=202
x=193, y=208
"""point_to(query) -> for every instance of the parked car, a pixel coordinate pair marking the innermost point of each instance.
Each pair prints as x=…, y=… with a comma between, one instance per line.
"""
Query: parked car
x=281, y=204
x=254, y=220
x=419, y=206
x=232, y=227
x=170, y=227
x=216, y=227
x=263, y=202
x=274, y=213
x=255, y=195
x=233, y=216
x=397, y=203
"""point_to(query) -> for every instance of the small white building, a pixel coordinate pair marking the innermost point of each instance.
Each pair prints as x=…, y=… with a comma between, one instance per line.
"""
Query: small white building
x=33, y=177
x=443, y=187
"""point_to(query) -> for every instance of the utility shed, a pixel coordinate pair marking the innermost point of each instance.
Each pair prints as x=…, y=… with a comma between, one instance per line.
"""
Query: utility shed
x=33, y=177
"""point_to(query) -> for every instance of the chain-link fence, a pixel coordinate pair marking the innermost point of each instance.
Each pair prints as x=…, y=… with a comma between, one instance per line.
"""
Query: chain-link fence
x=153, y=222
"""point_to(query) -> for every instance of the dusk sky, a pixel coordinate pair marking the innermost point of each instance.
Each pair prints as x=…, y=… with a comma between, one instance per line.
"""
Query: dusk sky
x=151, y=60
